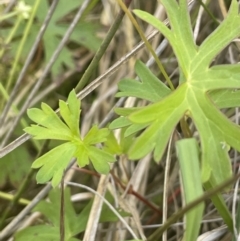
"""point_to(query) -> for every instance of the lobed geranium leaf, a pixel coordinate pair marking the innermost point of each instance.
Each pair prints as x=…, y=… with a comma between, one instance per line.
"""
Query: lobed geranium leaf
x=53, y=163
x=192, y=97
x=112, y=145
x=41, y=133
x=160, y=127
x=70, y=112
x=96, y=135
x=150, y=87
x=52, y=126
x=100, y=159
x=202, y=90
x=168, y=106
x=126, y=111
x=46, y=117
x=120, y=122
x=134, y=128
x=123, y=122
x=226, y=98
x=81, y=154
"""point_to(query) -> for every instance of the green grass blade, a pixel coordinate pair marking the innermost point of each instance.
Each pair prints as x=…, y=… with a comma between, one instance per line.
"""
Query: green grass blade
x=188, y=154
x=220, y=204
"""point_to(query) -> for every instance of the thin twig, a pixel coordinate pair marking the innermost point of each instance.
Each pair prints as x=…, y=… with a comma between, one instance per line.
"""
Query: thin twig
x=8, y=230
x=107, y=203
x=102, y=49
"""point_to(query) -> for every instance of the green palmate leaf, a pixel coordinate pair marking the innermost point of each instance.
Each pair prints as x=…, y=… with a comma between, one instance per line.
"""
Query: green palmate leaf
x=198, y=96
x=193, y=96
x=112, y=145
x=54, y=162
x=226, y=98
x=134, y=128
x=162, y=124
x=202, y=91
x=151, y=88
x=43, y=133
x=95, y=135
x=81, y=154
x=51, y=124
x=120, y=122
x=100, y=159
x=123, y=121
x=125, y=141
x=70, y=112
x=126, y=111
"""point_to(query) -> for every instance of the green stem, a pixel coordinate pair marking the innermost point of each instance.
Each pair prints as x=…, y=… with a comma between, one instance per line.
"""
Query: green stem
x=148, y=45
x=102, y=49
x=10, y=197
